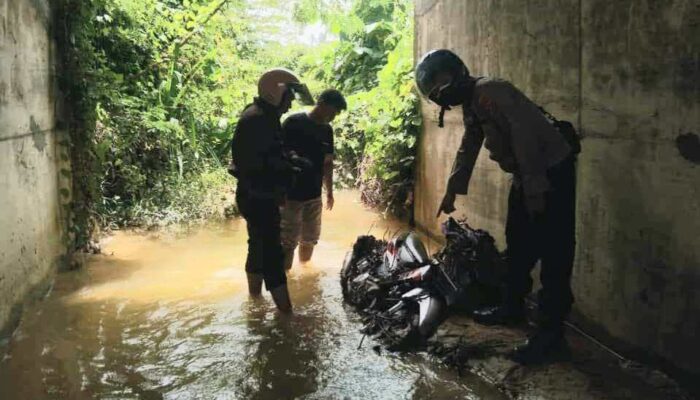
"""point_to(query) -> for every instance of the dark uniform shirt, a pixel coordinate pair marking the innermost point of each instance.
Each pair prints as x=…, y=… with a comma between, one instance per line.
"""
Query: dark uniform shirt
x=259, y=161
x=516, y=133
x=314, y=141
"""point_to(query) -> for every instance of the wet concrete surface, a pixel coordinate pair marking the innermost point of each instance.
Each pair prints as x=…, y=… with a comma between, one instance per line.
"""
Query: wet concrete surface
x=163, y=316
x=591, y=374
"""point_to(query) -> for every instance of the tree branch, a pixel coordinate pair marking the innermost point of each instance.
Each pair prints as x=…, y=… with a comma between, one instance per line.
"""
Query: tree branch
x=206, y=20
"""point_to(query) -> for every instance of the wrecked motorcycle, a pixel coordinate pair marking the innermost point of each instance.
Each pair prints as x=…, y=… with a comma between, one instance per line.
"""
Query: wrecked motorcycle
x=404, y=294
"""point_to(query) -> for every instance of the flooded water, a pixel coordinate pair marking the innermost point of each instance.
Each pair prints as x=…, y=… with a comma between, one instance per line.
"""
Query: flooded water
x=168, y=317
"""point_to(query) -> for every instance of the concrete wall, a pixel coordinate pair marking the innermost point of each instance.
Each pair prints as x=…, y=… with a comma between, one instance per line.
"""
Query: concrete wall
x=30, y=211
x=627, y=73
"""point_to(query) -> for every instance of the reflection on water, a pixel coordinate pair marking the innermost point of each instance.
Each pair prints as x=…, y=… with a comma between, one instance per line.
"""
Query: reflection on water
x=169, y=318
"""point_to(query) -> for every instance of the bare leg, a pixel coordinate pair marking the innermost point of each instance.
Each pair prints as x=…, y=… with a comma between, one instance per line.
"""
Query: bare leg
x=306, y=250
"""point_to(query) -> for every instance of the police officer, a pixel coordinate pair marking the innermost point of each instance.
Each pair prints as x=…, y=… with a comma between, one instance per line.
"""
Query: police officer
x=540, y=222
x=264, y=172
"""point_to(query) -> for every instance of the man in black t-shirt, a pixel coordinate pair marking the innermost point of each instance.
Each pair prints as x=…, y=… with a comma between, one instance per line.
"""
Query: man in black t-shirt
x=309, y=135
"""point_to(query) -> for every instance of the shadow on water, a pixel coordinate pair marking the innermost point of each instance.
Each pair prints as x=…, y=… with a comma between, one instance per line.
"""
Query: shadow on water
x=169, y=318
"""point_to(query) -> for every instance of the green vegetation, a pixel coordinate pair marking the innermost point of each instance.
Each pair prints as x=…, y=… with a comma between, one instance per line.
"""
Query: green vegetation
x=373, y=64
x=155, y=88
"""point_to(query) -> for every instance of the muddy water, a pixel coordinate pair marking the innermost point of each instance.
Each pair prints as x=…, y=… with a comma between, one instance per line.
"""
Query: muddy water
x=168, y=317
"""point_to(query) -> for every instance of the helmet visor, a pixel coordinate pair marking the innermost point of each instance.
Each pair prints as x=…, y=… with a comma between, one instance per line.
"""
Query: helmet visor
x=301, y=92
x=435, y=94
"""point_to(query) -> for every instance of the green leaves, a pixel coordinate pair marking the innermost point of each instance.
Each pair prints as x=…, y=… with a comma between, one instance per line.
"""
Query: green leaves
x=161, y=84
x=151, y=106
x=372, y=64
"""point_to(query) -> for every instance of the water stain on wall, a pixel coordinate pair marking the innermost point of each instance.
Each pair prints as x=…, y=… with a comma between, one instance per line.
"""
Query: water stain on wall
x=38, y=136
x=3, y=93
x=689, y=146
x=41, y=12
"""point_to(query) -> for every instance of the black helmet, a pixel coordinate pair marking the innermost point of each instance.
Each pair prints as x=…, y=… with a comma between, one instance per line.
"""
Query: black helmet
x=433, y=64
x=441, y=76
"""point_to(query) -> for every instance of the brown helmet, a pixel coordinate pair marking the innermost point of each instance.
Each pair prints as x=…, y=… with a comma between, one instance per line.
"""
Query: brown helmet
x=274, y=83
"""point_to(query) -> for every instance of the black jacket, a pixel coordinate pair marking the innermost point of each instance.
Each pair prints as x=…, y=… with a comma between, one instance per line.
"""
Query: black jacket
x=260, y=164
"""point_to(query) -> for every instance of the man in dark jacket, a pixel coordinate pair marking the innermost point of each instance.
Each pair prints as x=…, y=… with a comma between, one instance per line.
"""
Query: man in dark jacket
x=541, y=205
x=264, y=172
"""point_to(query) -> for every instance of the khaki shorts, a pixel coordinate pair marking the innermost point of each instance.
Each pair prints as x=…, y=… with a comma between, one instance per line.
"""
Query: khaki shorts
x=301, y=222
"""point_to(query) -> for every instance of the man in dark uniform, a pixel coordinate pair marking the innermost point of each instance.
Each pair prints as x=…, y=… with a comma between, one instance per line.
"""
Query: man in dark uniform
x=264, y=172
x=541, y=204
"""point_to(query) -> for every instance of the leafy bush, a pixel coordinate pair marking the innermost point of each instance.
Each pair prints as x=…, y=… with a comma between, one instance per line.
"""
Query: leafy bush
x=157, y=85
x=373, y=63
x=164, y=81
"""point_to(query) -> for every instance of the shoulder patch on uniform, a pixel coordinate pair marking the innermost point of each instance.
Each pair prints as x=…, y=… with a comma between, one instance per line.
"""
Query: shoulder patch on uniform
x=486, y=103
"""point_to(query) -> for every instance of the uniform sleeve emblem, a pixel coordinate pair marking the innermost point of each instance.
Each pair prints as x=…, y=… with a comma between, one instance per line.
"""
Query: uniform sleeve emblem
x=485, y=103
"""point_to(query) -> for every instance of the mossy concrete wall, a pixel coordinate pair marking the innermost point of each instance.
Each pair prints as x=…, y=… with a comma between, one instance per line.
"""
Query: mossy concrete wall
x=31, y=239
x=627, y=74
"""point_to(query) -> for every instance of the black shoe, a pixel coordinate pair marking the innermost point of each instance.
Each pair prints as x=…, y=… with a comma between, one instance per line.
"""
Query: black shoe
x=501, y=315
x=544, y=347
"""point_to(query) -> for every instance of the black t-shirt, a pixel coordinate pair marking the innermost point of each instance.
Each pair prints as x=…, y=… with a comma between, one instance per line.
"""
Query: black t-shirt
x=313, y=141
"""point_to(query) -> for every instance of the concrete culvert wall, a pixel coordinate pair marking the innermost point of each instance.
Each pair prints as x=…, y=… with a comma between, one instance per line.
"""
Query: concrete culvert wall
x=31, y=222
x=627, y=74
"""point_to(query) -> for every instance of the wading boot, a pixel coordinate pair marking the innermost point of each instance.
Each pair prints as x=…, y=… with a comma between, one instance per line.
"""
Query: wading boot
x=305, y=252
x=501, y=315
x=280, y=295
x=255, y=282
x=546, y=346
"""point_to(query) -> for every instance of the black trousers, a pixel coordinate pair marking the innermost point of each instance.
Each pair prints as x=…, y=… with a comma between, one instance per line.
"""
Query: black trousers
x=548, y=237
x=265, y=255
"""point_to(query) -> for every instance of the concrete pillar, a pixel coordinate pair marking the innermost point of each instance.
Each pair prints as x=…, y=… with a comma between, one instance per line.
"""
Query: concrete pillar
x=31, y=222
x=627, y=74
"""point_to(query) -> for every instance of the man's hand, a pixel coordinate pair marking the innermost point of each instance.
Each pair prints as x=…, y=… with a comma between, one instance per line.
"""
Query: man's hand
x=330, y=201
x=447, y=205
x=302, y=163
x=232, y=169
